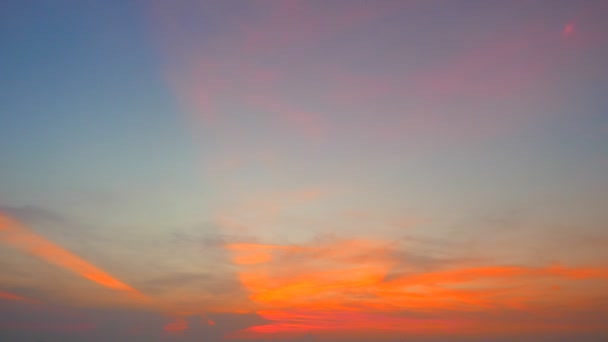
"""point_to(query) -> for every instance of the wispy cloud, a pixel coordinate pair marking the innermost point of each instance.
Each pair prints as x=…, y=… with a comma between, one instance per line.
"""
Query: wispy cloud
x=18, y=236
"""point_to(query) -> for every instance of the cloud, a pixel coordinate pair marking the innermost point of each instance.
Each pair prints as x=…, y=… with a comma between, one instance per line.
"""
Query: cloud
x=333, y=285
x=245, y=65
x=18, y=236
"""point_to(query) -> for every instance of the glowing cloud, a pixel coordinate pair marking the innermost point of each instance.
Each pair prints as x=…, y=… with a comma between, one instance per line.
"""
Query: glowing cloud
x=344, y=286
x=18, y=236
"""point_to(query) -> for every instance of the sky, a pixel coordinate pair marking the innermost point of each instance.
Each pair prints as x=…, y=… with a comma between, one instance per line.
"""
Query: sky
x=312, y=170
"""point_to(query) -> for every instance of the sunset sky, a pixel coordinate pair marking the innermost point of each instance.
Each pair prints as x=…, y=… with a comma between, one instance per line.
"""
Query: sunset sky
x=314, y=170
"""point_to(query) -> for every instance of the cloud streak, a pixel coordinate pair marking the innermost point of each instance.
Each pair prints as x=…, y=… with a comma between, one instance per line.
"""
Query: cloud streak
x=16, y=235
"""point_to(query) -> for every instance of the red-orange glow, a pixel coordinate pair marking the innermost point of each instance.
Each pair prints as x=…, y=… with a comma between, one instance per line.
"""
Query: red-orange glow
x=578, y=273
x=293, y=322
x=306, y=287
x=343, y=285
x=482, y=288
x=16, y=235
x=297, y=321
x=304, y=279
x=178, y=325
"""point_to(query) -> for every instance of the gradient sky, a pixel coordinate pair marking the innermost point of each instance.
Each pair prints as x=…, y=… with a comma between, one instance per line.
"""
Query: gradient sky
x=331, y=170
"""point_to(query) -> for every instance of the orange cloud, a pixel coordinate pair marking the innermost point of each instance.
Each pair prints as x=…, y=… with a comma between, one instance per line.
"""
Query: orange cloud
x=343, y=285
x=308, y=270
x=18, y=236
x=486, y=288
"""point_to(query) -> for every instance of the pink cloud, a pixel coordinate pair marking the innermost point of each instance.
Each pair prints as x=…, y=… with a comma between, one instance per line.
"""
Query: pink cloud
x=234, y=68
